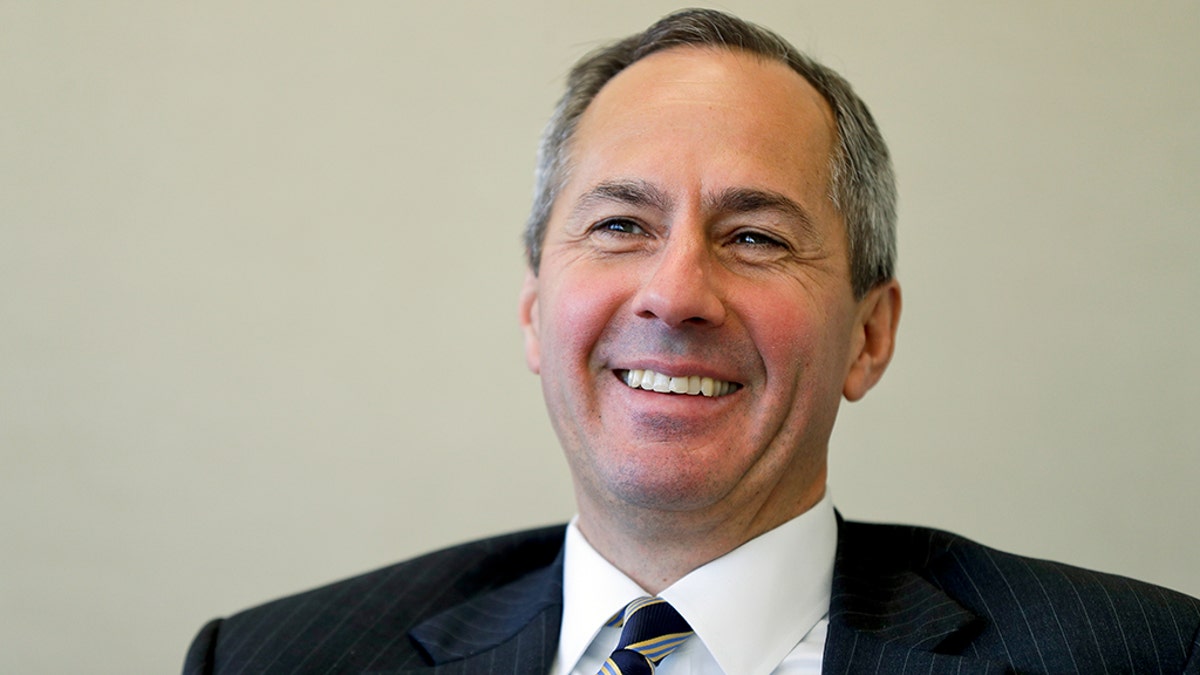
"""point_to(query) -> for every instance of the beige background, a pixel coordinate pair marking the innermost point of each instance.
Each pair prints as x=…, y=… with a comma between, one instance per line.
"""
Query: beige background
x=258, y=270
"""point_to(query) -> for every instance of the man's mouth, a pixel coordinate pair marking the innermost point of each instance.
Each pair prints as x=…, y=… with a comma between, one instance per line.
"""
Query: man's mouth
x=691, y=385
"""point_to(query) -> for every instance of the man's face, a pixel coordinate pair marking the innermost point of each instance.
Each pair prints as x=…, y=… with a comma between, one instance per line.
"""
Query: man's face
x=695, y=240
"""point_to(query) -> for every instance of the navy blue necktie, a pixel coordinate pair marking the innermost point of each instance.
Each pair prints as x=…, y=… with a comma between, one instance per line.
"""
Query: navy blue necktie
x=652, y=630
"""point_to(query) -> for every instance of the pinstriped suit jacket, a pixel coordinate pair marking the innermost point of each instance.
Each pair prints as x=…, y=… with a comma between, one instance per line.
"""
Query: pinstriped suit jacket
x=905, y=600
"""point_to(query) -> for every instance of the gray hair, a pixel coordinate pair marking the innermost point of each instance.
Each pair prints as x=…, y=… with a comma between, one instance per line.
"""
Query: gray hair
x=862, y=185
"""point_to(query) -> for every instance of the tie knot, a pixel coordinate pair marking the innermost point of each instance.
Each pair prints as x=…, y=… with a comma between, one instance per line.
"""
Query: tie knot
x=651, y=630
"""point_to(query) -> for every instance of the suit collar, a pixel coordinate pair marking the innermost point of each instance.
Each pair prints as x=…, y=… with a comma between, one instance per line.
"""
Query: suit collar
x=884, y=609
x=512, y=628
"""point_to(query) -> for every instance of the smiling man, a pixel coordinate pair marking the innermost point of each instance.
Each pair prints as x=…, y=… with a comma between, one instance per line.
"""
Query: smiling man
x=711, y=258
x=692, y=314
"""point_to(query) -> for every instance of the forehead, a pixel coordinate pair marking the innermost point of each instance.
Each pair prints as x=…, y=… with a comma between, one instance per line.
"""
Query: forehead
x=710, y=115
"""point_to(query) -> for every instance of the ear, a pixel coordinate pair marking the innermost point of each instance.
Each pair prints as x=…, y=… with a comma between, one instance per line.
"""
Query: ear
x=874, y=339
x=527, y=314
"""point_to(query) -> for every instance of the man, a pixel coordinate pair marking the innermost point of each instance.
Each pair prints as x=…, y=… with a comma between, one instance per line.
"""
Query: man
x=711, y=270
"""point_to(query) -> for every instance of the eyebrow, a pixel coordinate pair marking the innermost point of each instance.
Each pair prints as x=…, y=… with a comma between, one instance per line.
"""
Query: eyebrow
x=630, y=192
x=641, y=193
x=750, y=200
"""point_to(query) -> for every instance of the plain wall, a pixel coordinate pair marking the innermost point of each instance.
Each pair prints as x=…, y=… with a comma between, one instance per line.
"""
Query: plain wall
x=259, y=267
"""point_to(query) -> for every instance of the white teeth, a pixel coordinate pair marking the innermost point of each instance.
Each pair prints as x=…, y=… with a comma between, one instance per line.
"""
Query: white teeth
x=692, y=385
x=662, y=383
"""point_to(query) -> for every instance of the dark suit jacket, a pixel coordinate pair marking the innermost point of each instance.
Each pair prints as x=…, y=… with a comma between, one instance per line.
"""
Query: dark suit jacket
x=905, y=600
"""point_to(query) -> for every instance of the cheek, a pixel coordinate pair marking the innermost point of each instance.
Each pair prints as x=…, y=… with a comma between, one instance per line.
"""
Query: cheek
x=784, y=331
x=802, y=347
x=574, y=316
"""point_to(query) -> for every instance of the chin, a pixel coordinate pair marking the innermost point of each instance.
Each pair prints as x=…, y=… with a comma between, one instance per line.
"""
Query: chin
x=657, y=489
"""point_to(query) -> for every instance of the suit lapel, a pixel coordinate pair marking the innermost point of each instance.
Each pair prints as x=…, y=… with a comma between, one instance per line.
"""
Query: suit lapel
x=511, y=629
x=885, y=614
x=872, y=624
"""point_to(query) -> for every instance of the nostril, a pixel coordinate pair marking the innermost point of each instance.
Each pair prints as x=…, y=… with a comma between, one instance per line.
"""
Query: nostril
x=694, y=306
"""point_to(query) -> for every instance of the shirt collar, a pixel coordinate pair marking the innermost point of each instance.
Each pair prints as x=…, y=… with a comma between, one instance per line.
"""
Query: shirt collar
x=750, y=607
x=593, y=591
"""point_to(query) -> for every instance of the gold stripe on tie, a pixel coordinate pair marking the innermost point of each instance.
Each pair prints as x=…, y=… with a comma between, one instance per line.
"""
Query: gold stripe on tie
x=652, y=630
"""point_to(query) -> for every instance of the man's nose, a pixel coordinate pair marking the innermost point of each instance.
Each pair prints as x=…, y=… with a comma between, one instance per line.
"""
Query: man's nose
x=681, y=287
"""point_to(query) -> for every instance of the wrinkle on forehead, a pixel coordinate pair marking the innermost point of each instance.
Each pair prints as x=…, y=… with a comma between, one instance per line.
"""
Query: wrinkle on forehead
x=732, y=131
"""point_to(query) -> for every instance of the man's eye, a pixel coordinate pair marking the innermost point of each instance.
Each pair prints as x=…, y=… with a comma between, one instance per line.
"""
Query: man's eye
x=757, y=239
x=619, y=226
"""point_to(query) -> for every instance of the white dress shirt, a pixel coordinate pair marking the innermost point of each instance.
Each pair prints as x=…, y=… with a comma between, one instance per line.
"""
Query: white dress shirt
x=761, y=609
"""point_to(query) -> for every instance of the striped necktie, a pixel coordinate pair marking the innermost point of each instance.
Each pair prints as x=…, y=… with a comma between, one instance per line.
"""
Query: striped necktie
x=652, y=630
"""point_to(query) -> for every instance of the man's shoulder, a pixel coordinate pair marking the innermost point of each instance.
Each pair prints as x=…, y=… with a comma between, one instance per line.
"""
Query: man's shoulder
x=455, y=573
x=371, y=612
x=1055, y=608
x=948, y=556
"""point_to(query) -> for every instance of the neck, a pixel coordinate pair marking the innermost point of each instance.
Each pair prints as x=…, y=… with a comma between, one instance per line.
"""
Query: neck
x=656, y=548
